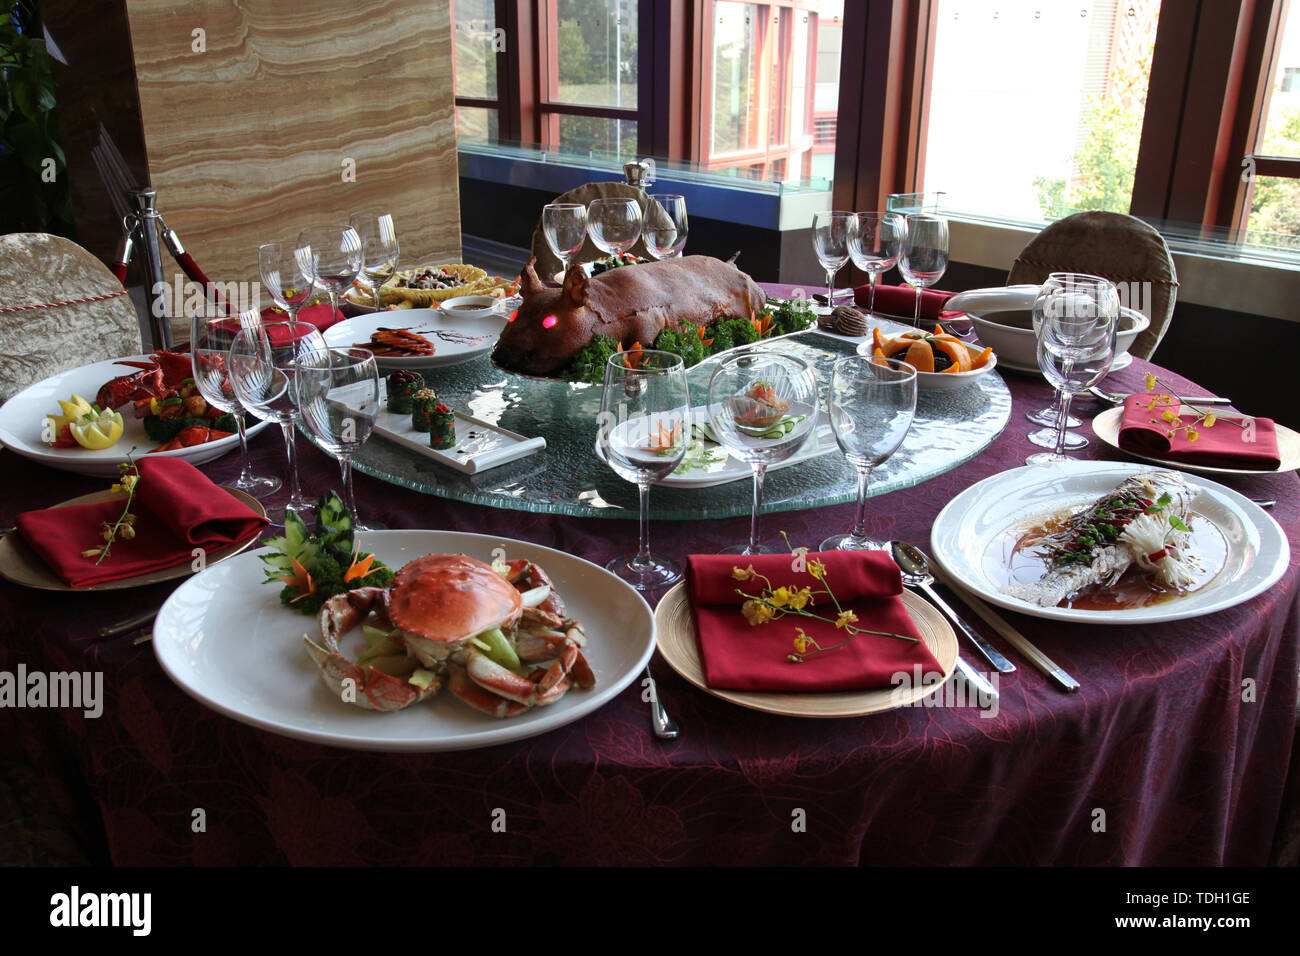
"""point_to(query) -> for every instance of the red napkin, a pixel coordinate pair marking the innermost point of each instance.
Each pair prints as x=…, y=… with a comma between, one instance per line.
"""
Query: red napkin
x=900, y=300
x=739, y=656
x=1230, y=443
x=177, y=509
x=318, y=315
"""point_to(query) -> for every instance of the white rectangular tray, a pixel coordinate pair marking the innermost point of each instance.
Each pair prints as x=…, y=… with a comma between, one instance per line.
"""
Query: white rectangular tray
x=479, y=445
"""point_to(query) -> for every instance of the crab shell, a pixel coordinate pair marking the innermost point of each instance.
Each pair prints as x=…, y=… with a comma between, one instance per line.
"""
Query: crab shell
x=441, y=600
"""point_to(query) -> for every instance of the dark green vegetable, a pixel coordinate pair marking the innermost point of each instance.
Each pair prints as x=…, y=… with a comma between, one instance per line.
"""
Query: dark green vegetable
x=165, y=429
x=589, y=364
x=728, y=333
x=793, y=315
x=684, y=342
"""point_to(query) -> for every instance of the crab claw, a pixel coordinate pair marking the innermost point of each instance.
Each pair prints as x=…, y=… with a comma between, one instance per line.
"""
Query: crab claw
x=460, y=684
x=365, y=686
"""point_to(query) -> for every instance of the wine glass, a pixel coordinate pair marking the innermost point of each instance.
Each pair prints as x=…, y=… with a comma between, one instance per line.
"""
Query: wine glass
x=263, y=365
x=665, y=226
x=379, y=249
x=762, y=406
x=924, y=256
x=1076, y=344
x=338, y=397
x=330, y=257
x=644, y=431
x=1046, y=436
x=832, y=232
x=284, y=280
x=564, y=224
x=210, y=339
x=871, y=404
x=614, y=224
x=875, y=244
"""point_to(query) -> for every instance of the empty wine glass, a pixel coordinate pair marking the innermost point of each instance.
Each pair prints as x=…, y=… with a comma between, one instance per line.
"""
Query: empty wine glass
x=284, y=280
x=762, y=406
x=1076, y=345
x=1047, y=417
x=874, y=246
x=644, y=431
x=614, y=224
x=263, y=365
x=871, y=404
x=665, y=226
x=210, y=339
x=924, y=256
x=338, y=396
x=832, y=231
x=379, y=249
x=564, y=224
x=330, y=257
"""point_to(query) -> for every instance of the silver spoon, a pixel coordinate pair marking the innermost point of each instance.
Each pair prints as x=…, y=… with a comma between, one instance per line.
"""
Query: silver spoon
x=664, y=727
x=916, y=573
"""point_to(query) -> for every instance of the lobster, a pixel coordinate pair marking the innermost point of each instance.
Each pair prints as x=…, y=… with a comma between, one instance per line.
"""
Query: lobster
x=163, y=373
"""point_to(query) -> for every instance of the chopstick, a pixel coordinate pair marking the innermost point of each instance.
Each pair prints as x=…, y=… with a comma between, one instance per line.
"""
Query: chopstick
x=1010, y=634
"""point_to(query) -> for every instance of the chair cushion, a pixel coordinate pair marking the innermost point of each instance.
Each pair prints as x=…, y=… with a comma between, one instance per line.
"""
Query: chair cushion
x=1121, y=248
x=41, y=270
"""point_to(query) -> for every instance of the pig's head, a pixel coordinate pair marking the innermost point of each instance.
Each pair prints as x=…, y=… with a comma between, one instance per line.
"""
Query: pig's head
x=549, y=327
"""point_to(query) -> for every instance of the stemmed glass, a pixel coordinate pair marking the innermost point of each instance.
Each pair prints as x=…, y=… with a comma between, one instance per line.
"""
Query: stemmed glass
x=871, y=404
x=379, y=249
x=210, y=339
x=263, y=364
x=338, y=396
x=1076, y=344
x=284, y=280
x=874, y=246
x=1046, y=436
x=330, y=257
x=644, y=431
x=762, y=406
x=665, y=226
x=832, y=232
x=924, y=256
x=614, y=224
x=564, y=224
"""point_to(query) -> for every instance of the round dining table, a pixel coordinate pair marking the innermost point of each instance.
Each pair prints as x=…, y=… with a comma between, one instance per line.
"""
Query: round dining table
x=1175, y=749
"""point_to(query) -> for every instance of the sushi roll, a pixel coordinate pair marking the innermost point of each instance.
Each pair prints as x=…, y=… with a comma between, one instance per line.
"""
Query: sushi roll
x=423, y=403
x=442, y=427
x=402, y=385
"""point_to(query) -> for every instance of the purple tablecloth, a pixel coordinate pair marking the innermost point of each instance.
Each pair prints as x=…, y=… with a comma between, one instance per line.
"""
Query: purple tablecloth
x=1160, y=758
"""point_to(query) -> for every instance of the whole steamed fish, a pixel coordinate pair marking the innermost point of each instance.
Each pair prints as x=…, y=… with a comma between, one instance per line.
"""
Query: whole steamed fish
x=1142, y=522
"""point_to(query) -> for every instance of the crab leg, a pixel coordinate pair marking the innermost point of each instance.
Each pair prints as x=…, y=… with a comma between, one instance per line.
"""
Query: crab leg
x=460, y=684
x=366, y=687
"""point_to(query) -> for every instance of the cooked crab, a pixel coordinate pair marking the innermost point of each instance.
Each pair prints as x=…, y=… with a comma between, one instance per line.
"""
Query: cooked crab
x=499, y=640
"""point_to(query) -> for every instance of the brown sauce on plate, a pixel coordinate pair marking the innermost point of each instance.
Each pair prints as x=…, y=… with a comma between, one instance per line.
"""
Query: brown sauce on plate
x=1023, y=563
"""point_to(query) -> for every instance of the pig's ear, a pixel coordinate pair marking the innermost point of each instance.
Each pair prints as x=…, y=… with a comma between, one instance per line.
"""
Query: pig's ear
x=575, y=286
x=529, y=284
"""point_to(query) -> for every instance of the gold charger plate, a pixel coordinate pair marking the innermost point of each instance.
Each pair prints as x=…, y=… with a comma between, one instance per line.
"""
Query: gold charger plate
x=1106, y=427
x=678, y=646
x=21, y=565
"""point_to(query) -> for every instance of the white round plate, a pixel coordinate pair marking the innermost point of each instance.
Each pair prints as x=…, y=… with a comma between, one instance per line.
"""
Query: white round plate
x=22, y=415
x=358, y=329
x=1106, y=427
x=227, y=641
x=966, y=536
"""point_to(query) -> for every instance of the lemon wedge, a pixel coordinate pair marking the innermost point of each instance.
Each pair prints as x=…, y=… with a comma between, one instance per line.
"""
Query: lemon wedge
x=72, y=410
x=97, y=432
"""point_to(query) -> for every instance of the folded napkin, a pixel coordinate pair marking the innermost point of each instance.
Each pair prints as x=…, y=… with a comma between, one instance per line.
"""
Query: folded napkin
x=739, y=656
x=900, y=300
x=1232, y=442
x=177, y=509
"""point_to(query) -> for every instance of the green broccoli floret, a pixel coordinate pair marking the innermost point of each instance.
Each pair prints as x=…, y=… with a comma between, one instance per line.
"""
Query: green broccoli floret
x=589, y=364
x=684, y=342
x=328, y=578
x=728, y=333
x=792, y=315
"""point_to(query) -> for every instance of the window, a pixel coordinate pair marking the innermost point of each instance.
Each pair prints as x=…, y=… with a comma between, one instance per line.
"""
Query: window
x=1274, y=218
x=475, y=50
x=1036, y=109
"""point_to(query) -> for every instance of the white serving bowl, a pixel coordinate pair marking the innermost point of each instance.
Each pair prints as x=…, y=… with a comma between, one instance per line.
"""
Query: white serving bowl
x=944, y=381
x=1003, y=319
x=470, y=306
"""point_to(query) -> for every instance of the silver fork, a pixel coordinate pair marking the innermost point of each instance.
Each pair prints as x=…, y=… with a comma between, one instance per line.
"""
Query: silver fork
x=663, y=725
